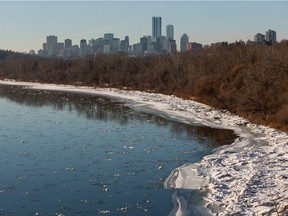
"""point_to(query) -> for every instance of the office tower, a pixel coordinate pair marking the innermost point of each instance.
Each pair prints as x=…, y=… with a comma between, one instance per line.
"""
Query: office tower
x=124, y=46
x=59, y=48
x=83, y=47
x=184, y=41
x=259, y=38
x=156, y=27
x=106, y=47
x=44, y=46
x=172, y=48
x=68, y=43
x=108, y=37
x=51, y=45
x=138, y=49
x=170, y=32
x=270, y=36
x=115, y=45
x=144, y=43
x=163, y=44
x=127, y=40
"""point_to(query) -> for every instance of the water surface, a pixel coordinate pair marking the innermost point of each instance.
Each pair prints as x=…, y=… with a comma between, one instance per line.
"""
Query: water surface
x=83, y=155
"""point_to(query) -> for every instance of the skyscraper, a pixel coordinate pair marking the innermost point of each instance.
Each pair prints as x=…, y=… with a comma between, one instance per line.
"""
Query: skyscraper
x=170, y=32
x=68, y=43
x=270, y=36
x=184, y=41
x=172, y=48
x=83, y=47
x=259, y=38
x=67, y=48
x=156, y=27
x=144, y=43
x=108, y=37
x=51, y=45
x=127, y=39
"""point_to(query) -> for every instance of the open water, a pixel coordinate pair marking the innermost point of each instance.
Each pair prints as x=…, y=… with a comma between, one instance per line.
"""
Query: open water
x=71, y=154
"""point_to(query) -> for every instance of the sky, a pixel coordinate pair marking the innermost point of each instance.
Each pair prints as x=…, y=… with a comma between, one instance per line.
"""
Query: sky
x=24, y=25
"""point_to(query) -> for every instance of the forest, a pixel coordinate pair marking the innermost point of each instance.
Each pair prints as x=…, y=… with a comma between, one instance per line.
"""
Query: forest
x=248, y=80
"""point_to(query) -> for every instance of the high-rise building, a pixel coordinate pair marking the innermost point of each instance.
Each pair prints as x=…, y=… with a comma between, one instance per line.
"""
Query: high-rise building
x=137, y=49
x=156, y=27
x=44, y=46
x=99, y=45
x=60, y=49
x=163, y=44
x=67, y=50
x=108, y=37
x=83, y=47
x=172, y=48
x=144, y=43
x=170, y=32
x=127, y=40
x=184, y=41
x=259, y=38
x=106, y=47
x=68, y=43
x=124, y=46
x=115, y=46
x=270, y=36
x=51, y=45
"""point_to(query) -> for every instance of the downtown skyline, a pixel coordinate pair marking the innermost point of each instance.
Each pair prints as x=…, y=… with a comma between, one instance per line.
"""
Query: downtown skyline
x=157, y=43
x=203, y=22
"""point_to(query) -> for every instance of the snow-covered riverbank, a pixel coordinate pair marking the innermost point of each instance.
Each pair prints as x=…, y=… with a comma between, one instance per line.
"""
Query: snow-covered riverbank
x=249, y=177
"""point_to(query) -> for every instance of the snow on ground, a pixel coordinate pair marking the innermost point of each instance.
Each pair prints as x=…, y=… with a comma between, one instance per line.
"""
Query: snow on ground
x=248, y=177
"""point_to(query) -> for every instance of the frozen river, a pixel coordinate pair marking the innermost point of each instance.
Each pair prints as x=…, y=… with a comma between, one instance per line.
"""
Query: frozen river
x=77, y=154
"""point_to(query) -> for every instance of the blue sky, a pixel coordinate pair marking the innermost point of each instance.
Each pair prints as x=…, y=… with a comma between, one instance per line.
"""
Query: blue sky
x=24, y=25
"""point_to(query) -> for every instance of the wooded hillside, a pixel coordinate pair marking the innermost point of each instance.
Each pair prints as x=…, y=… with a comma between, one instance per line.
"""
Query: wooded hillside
x=251, y=81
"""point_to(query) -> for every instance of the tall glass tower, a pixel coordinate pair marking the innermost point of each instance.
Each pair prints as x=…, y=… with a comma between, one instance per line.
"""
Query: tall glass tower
x=184, y=40
x=51, y=45
x=156, y=27
x=170, y=32
x=83, y=47
x=270, y=36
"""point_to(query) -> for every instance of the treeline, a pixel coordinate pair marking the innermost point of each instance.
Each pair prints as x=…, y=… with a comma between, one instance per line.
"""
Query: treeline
x=250, y=81
x=4, y=54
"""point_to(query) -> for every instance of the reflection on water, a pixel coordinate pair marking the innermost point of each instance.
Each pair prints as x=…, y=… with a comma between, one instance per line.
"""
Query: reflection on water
x=80, y=154
x=100, y=108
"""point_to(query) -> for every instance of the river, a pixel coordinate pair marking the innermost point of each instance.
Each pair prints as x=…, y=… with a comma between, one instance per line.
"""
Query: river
x=78, y=154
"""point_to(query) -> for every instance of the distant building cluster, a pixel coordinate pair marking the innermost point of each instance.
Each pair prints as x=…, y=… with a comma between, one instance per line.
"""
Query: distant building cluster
x=151, y=44
x=268, y=38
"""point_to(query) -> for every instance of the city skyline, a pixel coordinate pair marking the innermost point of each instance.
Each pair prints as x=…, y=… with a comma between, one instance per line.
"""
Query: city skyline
x=155, y=44
x=27, y=23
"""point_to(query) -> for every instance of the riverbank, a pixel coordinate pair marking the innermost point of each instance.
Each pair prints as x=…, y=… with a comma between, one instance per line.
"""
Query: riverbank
x=248, y=177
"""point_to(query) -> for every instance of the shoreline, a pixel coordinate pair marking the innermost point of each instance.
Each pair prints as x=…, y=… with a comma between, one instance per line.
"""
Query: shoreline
x=248, y=177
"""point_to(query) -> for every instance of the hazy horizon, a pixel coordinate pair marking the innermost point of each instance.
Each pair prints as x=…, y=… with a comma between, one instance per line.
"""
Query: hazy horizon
x=28, y=23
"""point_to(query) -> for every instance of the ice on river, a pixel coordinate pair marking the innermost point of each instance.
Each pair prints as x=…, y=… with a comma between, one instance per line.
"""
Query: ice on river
x=248, y=177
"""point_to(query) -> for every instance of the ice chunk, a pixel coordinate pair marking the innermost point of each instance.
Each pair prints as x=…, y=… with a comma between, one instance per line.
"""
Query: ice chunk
x=185, y=177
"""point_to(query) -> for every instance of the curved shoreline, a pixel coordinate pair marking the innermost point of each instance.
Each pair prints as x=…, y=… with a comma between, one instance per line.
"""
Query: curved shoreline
x=248, y=177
